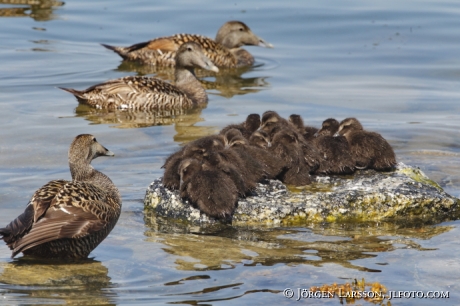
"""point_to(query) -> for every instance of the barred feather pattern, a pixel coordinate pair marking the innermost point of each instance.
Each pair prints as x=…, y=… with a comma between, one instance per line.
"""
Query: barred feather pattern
x=154, y=52
x=134, y=93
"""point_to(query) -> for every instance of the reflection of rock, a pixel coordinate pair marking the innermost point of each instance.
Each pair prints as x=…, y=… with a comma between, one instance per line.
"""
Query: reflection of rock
x=221, y=246
x=80, y=282
x=368, y=195
x=40, y=10
x=136, y=119
x=228, y=82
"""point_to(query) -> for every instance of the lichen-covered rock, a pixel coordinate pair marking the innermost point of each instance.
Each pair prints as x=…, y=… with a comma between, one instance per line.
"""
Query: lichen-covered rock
x=367, y=195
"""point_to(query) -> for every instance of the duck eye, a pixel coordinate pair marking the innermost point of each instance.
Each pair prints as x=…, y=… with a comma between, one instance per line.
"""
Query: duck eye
x=241, y=29
x=189, y=49
x=94, y=139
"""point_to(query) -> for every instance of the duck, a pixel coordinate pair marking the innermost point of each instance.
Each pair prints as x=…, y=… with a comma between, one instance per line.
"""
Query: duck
x=212, y=192
x=225, y=51
x=148, y=93
x=68, y=219
x=369, y=149
x=335, y=150
x=287, y=147
x=307, y=132
x=197, y=149
x=249, y=126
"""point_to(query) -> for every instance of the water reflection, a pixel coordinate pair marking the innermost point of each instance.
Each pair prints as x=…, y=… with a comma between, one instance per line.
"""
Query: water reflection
x=138, y=119
x=227, y=82
x=39, y=10
x=218, y=247
x=75, y=283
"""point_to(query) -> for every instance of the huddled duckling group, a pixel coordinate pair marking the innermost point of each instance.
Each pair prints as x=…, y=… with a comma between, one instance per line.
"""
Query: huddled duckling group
x=214, y=171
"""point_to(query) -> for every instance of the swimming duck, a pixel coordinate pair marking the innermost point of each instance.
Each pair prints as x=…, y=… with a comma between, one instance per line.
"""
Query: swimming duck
x=68, y=219
x=335, y=150
x=147, y=93
x=224, y=51
x=369, y=149
x=210, y=190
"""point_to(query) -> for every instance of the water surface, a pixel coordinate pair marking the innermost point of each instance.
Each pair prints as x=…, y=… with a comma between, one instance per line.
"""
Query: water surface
x=392, y=64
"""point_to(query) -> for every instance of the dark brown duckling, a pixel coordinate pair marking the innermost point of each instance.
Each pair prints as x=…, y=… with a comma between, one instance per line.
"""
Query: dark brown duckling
x=287, y=147
x=260, y=139
x=213, y=192
x=246, y=128
x=271, y=120
x=253, y=170
x=197, y=149
x=68, y=219
x=369, y=149
x=148, y=93
x=224, y=51
x=272, y=166
x=335, y=150
x=307, y=132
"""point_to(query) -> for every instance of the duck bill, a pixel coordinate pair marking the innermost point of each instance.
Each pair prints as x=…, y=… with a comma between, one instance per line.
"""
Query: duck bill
x=207, y=64
x=263, y=43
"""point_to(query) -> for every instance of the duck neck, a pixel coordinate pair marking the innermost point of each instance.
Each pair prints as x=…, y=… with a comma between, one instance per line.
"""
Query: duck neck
x=186, y=81
x=86, y=173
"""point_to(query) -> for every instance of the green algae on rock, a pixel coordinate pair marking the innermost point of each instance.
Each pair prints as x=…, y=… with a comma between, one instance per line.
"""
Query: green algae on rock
x=366, y=196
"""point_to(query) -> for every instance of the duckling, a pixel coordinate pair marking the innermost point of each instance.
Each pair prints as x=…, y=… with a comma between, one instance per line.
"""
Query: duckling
x=224, y=51
x=213, y=192
x=335, y=150
x=198, y=149
x=286, y=146
x=68, y=219
x=307, y=132
x=260, y=139
x=271, y=165
x=246, y=128
x=253, y=170
x=272, y=123
x=147, y=93
x=369, y=149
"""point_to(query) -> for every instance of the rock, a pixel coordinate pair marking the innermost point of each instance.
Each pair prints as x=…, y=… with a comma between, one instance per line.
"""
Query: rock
x=366, y=196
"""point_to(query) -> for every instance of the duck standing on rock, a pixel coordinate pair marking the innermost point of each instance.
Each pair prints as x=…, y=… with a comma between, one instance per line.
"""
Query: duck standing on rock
x=335, y=150
x=224, y=51
x=369, y=149
x=213, y=192
x=68, y=219
x=148, y=93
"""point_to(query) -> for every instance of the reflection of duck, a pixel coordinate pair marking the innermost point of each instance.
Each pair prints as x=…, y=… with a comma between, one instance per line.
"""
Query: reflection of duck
x=225, y=51
x=39, y=10
x=228, y=82
x=68, y=219
x=142, y=93
x=137, y=119
x=51, y=280
x=369, y=149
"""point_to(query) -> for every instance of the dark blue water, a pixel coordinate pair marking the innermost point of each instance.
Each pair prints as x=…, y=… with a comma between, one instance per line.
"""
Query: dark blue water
x=394, y=65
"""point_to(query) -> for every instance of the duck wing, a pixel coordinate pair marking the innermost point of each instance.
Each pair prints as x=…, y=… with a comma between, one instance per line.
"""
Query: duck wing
x=77, y=210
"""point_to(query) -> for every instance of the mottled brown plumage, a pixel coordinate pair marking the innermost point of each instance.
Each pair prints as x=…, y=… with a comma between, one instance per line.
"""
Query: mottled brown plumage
x=272, y=122
x=148, y=93
x=68, y=219
x=335, y=150
x=213, y=192
x=224, y=51
x=369, y=149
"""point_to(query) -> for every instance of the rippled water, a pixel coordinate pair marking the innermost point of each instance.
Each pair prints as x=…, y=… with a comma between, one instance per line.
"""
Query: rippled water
x=392, y=64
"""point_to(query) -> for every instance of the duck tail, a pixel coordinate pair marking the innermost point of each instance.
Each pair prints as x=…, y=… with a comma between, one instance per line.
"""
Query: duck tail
x=77, y=93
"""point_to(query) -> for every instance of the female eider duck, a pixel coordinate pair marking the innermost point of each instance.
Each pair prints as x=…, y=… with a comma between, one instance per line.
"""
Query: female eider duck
x=369, y=149
x=68, y=219
x=224, y=51
x=147, y=93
